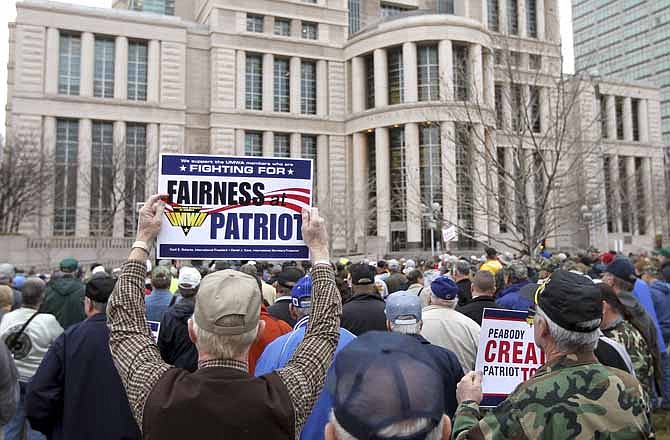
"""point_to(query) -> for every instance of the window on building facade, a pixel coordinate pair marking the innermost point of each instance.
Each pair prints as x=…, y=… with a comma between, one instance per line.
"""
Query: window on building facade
x=461, y=72
x=391, y=10
x=253, y=143
x=282, y=27
x=396, y=83
x=641, y=197
x=309, y=1
x=531, y=18
x=518, y=108
x=430, y=171
x=498, y=57
x=512, y=17
x=135, y=174
x=603, y=116
x=534, y=61
x=398, y=170
x=607, y=177
x=492, y=11
x=618, y=113
x=137, y=70
x=65, y=177
x=514, y=59
x=464, y=186
x=371, y=217
x=498, y=98
x=625, y=192
x=428, y=73
x=445, y=6
x=635, y=113
x=369, y=82
x=69, y=64
x=308, y=151
x=282, y=85
x=255, y=23
x=103, y=71
x=503, y=205
x=310, y=30
x=253, y=80
x=165, y=7
x=102, y=178
x=354, y=16
x=534, y=107
x=308, y=87
x=282, y=146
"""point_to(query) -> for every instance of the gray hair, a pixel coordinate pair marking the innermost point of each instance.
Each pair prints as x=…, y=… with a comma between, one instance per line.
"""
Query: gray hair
x=301, y=312
x=401, y=429
x=32, y=292
x=223, y=347
x=450, y=303
x=463, y=267
x=406, y=329
x=570, y=341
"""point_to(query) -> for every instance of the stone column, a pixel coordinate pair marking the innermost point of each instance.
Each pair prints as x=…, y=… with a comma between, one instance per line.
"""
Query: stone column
x=475, y=62
x=611, y=117
x=268, y=144
x=530, y=187
x=523, y=26
x=153, y=71
x=383, y=165
x=84, y=175
x=87, y=61
x=445, y=58
x=322, y=88
x=540, y=19
x=322, y=168
x=381, y=83
x=47, y=197
x=544, y=109
x=357, y=85
x=648, y=195
x=410, y=73
x=489, y=79
x=510, y=190
x=296, y=145
x=502, y=16
x=360, y=185
x=449, y=182
x=642, y=120
x=152, y=157
x=479, y=182
x=239, y=142
x=119, y=160
x=121, y=68
x=628, y=119
x=51, y=65
x=240, y=78
x=507, y=106
x=631, y=183
x=268, y=82
x=413, y=185
x=615, y=186
x=294, y=66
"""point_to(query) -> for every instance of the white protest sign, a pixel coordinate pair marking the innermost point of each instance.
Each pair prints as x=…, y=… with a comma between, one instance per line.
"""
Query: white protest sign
x=233, y=208
x=449, y=234
x=155, y=327
x=507, y=354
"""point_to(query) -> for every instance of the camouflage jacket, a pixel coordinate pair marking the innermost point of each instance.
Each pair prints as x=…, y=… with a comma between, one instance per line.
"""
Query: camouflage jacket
x=570, y=397
x=624, y=333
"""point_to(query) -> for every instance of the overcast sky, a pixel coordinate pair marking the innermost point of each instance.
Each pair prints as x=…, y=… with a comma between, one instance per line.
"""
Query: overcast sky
x=8, y=14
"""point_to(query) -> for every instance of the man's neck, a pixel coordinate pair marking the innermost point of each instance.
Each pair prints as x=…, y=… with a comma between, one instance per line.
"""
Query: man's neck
x=481, y=295
x=204, y=357
x=26, y=306
x=609, y=319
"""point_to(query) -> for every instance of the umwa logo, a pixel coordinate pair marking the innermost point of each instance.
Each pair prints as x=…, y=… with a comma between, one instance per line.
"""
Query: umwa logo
x=186, y=217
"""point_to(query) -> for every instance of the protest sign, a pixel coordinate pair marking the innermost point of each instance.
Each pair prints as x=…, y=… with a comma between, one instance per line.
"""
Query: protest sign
x=155, y=327
x=233, y=208
x=449, y=234
x=507, y=354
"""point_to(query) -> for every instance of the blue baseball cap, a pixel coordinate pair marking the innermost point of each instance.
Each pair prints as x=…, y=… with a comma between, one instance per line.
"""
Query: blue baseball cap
x=403, y=307
x=301, y=293
x=377, y=365
x=622, y=268
x=445, y=288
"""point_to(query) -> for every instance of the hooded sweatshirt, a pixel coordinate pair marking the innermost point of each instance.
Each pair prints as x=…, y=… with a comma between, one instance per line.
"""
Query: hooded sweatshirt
x=660, y=295
x=64, y=298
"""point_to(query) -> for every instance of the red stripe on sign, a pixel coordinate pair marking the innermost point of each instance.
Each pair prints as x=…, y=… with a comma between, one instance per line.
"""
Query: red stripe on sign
x=506, y=319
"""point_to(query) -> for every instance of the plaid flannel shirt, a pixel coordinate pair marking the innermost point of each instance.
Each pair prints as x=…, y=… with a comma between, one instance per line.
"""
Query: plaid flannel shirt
x=138, y=359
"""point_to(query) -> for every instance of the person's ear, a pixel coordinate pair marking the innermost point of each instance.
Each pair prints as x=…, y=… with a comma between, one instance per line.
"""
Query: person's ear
x=261, y=329
x=191, y=332
x=330, y=431
x=388, y=325
x=291, y=311
x=446, y=427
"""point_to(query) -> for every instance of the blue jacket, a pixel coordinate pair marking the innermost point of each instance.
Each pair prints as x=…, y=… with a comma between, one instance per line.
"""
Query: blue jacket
x=157, y=303
x=77, y=393
x=643, y=295
x=276, y=356
x=660, y=295
x=510, y=298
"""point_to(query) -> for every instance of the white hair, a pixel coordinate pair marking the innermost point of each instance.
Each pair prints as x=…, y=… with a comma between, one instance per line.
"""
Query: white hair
x=450, y=303
x=301, y=312
x=223, y=347
x=406, y=329
x=571, y=341
x=400, y=429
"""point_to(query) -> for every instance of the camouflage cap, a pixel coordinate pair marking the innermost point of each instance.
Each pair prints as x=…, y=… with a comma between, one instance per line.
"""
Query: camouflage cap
x=161, y=272
x=518, y=270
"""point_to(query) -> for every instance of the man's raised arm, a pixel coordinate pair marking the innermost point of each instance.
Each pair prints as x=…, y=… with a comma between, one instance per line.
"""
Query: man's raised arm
x=134, y=351
x=305, y=372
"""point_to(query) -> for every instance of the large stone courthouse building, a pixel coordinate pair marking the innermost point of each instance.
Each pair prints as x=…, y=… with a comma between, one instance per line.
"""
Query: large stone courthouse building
x=376, y=92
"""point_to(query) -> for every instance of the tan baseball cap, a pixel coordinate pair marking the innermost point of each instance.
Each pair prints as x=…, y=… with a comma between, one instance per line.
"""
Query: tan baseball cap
x=228, y=304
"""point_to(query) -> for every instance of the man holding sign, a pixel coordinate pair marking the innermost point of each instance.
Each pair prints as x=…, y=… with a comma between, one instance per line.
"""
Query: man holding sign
x=571, y=396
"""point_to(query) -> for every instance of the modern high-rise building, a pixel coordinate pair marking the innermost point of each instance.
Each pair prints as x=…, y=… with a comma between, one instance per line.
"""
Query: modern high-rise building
x=380, y=94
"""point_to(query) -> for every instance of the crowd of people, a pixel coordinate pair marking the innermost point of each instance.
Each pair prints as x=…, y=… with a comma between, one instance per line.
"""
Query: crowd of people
x=336, y=350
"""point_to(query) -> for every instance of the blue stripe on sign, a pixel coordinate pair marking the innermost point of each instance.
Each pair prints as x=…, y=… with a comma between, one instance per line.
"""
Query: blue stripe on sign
x=492, y=400
x=233, y=252
x=501, y=313
x=232, y=166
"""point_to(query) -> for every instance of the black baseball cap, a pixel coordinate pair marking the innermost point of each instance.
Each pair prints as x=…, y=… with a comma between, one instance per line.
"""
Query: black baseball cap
x=362, y=273
x=570, y=300
x=289, y=276
x=622, y=268
x=377, y=365
x=99, y=288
